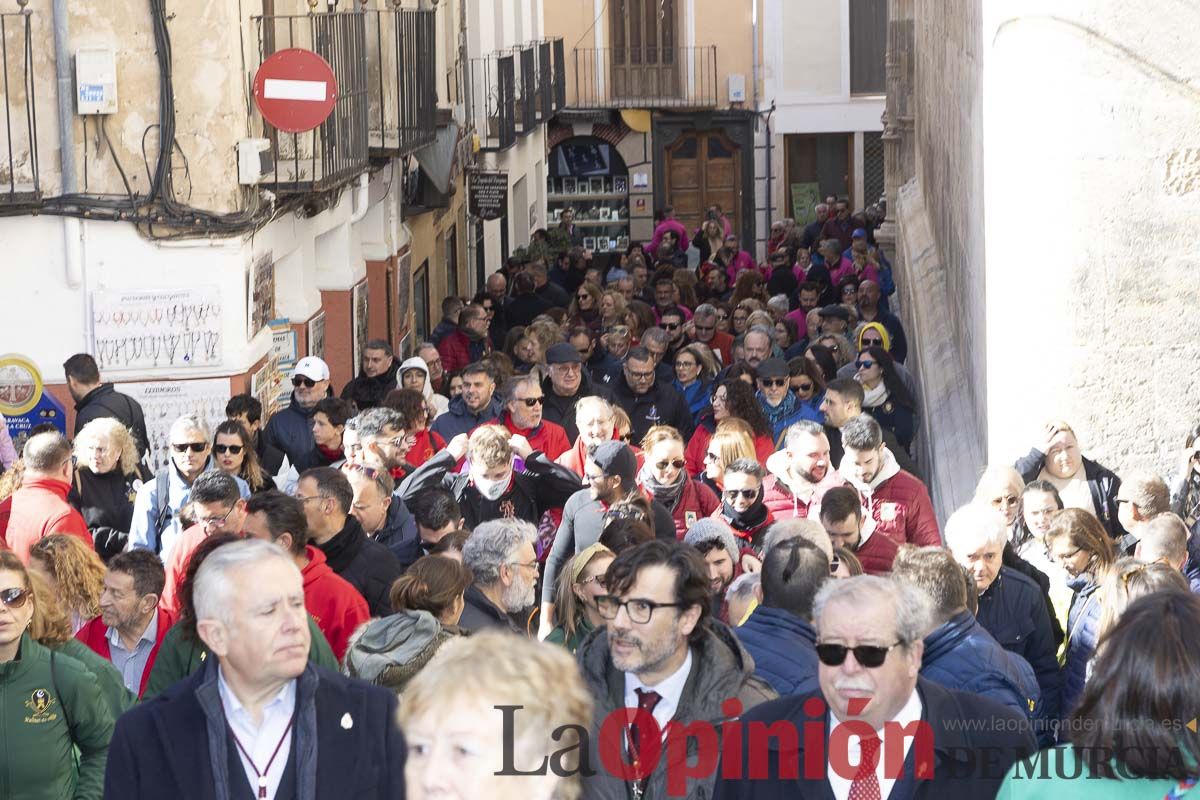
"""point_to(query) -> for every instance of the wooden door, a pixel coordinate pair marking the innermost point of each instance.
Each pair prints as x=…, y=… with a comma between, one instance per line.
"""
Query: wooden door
x=644, y=62
x=703, y=168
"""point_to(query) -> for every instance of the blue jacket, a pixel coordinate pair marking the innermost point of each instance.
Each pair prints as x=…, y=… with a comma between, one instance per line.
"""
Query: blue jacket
x=290, y=430
x=399, y=533
x=696, y=396
x=783, y=647
x=960, y=654
x=1013, y=611
x=144, y=533
x=176, y=745
x=460, y=419
x=1083, y=629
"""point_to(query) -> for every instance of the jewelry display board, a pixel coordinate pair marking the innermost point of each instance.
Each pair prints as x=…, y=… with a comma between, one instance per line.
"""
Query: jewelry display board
x=171, y=328
x=163, y=402
x=260, y=294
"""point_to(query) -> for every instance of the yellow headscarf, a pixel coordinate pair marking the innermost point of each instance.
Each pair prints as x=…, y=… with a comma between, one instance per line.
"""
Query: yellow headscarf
x=883, y=334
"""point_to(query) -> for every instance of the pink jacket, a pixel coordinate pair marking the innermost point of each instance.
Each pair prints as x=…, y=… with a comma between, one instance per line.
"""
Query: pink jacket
x=675, y=226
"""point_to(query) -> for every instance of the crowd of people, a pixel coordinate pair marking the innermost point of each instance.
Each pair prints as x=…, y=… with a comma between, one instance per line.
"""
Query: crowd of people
x=682, y=492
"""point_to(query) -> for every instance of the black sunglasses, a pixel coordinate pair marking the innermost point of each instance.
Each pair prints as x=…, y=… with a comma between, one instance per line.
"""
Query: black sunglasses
x=677, y=464
x=300, y=380
x=226, y=448
x=531, y=401
x=865, y=364
x=747, y=494
x=872, y=342
x=773, y=382
x=804, y=387
x=867, y=655
x=195, y=447
x=671, y=326
x=14, y=597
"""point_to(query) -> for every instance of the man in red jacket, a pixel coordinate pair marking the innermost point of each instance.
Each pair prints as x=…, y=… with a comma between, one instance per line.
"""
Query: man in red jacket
x=896, y=500
x=39, y=508
x=131, y=627
x=334, y=604
x=218, y=507
x=800, y=474
x=524, y=401
x=842, y=517
x=469, y=343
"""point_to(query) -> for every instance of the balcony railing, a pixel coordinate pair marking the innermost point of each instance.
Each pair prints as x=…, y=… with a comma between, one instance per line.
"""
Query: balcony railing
x=492, y=100
x=649, y=77
x=336, y=151
x=19, y=178
x=525, y=61
x=551, y=78
x=402, y=76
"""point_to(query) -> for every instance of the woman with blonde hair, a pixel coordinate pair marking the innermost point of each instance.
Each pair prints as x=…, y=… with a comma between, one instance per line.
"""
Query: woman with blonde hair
x=105, y=481
x=732, y=441
x=1129, y=580
x=74, y=573
x=1079, y=543
x=575, y=612
x=456, y=747
x=664, y=477
x=612, y=308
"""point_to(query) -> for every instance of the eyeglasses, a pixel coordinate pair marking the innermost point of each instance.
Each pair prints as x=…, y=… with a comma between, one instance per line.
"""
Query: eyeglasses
x=677, y=464
x=195, y=447
x=639, y=376
x=232, y=449
x=619, y=330
x=527, y=564
x=872, y=342
x=774, y=383
x=599, y=580
x=867, y=655
x=711, y=457
x=212, y=522
x=747, y=494
x=15, y=598
x=300, y=380
x=804, y=387
x=722, y=315
x=865, y=364
x=685, y=364
x=671, y=326
x=531, y=401
x=834, y=563
x=639, y=611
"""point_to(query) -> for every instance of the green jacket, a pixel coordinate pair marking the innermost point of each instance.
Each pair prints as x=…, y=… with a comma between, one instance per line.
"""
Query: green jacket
x=112, y=686
x=559, y=634
x=37, y=748
x=1050, y=774
x=179, y=657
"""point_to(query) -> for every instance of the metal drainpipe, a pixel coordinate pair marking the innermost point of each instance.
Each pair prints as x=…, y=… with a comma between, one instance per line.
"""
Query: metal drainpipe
x=754, y=97
x=72, y=227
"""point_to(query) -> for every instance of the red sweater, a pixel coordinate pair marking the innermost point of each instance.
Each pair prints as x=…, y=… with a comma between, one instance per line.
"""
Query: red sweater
x=427, y=444
x=336, y=606
x=36, y=510
x=95, y=635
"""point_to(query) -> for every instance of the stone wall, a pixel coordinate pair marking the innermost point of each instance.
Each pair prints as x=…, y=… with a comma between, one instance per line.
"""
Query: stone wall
x=1053, y=196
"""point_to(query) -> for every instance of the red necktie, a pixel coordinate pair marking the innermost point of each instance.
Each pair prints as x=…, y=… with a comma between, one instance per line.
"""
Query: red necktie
x=647, y=700
x=866, y=783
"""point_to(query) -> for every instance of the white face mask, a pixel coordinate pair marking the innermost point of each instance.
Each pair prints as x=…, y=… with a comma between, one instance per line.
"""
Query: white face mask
x=492, y=489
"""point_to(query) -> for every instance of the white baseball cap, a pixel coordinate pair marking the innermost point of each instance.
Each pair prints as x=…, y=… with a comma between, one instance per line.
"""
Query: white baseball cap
x=312, y=368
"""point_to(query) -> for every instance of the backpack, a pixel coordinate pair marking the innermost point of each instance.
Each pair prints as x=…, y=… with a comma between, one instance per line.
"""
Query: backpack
x=162, y=506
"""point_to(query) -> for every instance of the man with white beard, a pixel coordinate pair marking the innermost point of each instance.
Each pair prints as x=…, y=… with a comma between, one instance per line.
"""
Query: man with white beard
x=500, y=555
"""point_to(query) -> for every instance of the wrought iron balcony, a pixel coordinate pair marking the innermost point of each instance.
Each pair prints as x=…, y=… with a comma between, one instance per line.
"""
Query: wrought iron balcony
x=646, y=77
x=492, y=100
x=402, y=76
x=336, y=151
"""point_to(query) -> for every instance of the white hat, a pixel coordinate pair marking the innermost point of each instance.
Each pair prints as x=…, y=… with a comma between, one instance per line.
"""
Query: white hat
x=312, y=368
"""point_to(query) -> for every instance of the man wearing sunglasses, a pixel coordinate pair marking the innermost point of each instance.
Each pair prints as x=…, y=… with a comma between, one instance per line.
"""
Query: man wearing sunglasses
x=959, y=652
x=567, y=383
x=523, y=416
x=704, y=331
x=779, y=404
x=742, y=506
x=870, y=644
x=661, y=652
x=156, y=524
x=218, y=507
x=290, y=429
x=39, y=507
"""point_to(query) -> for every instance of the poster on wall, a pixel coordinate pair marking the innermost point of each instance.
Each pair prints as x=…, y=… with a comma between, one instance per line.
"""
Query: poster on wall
x=805, y=197
x=260, y=294
x=268, y=386
x=163, y=402
x=403, y=292
x=23, y=402
x=358, y=320
x=316, y=335
x=170, y=328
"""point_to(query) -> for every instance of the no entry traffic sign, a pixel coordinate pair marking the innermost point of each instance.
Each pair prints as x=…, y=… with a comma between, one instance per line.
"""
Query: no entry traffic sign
x=295, y=90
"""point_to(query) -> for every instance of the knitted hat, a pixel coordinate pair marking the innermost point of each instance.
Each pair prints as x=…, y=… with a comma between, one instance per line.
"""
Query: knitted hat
x=709, y=529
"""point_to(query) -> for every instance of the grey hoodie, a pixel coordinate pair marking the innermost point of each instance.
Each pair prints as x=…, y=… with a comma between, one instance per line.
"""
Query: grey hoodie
x=721, y=669
x=389, y=651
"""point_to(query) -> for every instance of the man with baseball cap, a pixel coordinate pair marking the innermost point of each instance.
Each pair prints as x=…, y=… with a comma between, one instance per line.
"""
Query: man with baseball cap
x=290, y=430
x=834, y=318
x=779, y=405
x=567, y=382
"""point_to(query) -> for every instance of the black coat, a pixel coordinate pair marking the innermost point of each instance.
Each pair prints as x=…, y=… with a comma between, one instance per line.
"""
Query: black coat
x=523, y=308
x=105, y=401
x=662, y=405
x=561, y=410
x=366, y=392
x=367, y=565
x=969, y=760
x=1102, y=482
x=176, y=744
x=106, y=503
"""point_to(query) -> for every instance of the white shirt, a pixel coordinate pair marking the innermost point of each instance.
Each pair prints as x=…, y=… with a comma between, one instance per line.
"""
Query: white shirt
x=670, y=687
x=260, y=741
x=910, y=713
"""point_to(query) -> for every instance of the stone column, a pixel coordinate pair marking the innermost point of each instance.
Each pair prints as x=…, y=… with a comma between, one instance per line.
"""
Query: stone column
x=899, y=161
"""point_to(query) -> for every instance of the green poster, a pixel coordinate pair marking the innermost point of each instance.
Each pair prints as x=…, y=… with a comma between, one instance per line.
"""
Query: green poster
x=804, y=197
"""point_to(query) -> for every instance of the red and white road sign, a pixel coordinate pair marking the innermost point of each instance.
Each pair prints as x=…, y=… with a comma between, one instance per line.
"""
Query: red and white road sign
x=295, y=90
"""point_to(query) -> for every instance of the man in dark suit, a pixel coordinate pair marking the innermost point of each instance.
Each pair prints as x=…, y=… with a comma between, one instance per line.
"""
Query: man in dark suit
x=869, y=644
x=257, y=721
